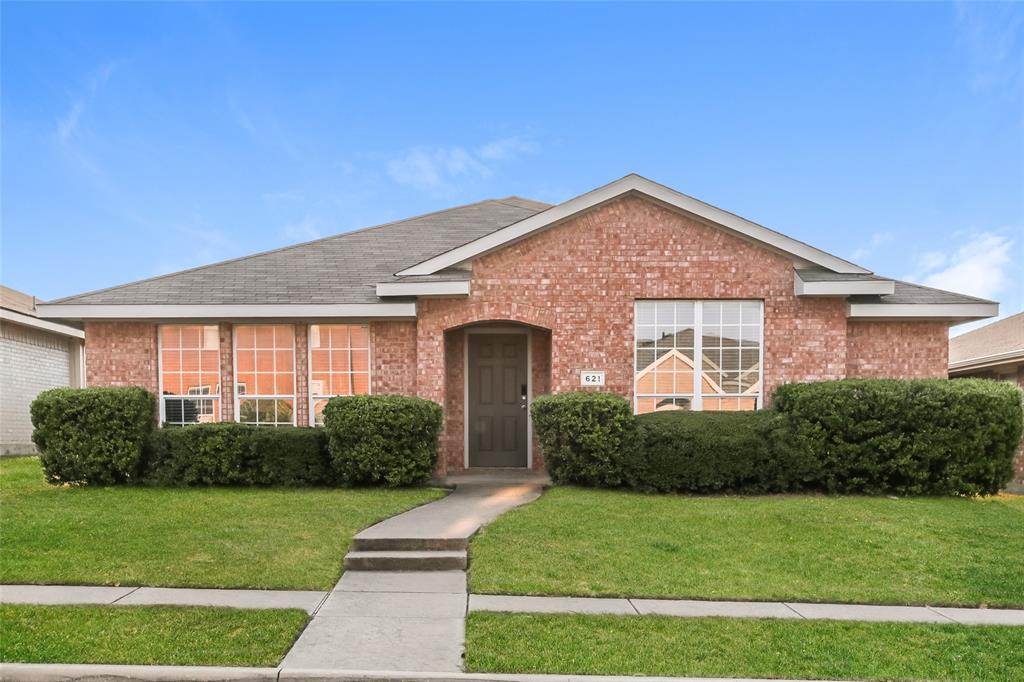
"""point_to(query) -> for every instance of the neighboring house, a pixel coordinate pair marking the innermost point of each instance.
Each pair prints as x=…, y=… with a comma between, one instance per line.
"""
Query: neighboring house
x=631, y=288
x=35, y=355
x=995, y=351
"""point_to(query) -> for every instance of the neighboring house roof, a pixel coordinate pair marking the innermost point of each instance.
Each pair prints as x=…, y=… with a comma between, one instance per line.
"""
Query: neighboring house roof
x=19, y=308
x=379, y=271
x=994, y=344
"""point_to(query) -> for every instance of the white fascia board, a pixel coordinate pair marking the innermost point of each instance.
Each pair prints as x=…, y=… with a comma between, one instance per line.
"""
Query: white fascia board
x=858, y=287
x=423, y=289
x=117, y=312
x=936, y=311
x=632, y=183
x=987, y=361
x=44, y=325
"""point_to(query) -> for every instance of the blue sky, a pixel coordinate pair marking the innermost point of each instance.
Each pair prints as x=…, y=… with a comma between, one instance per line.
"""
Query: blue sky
x=139, y=139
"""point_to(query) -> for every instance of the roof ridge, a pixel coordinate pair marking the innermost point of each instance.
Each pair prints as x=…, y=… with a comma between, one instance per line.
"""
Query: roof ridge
x=271, y=251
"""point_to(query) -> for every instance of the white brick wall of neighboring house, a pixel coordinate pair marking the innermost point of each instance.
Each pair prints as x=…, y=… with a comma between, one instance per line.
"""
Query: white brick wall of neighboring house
x=31, y=361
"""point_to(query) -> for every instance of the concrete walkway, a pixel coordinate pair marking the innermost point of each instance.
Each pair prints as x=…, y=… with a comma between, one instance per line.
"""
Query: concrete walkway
x=56, y=672
x=388, y=619
x=306, y=600
x=687, y=608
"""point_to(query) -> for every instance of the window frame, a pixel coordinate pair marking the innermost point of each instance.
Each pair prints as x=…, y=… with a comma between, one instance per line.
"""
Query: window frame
x=696, y=395
x=309, y=363
x=234, y=374
x=217, y=397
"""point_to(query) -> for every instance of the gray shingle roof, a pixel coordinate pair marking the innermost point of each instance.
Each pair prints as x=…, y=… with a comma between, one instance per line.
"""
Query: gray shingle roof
x=829, y=276
x=905, y=292
x=341, y=269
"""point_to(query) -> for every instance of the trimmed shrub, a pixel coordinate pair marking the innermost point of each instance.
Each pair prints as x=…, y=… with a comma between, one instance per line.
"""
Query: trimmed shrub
x=236, y=454
x=382, y=439
x=715, y=452
x=586, y=437
x=920, y=437
x=202, y=454
x=291, y=456
x=92, y=435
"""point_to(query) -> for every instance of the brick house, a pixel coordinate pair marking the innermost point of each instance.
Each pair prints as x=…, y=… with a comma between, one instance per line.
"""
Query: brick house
x=632, y=288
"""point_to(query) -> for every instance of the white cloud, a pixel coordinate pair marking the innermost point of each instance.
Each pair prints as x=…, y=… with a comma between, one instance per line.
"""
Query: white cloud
x=304, y=230
x=435, y=169
x=990, y=34
x=440, y=169
x=980, y=267
x=507, y=149
x=67, y=125
x=877, y=239
x=284, y=196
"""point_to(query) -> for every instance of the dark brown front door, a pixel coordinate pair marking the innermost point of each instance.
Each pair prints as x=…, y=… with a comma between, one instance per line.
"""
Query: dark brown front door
x=497, y=400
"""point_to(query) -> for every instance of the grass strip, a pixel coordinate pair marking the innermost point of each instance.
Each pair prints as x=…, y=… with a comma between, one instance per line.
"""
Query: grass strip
x=148, y=635
x=741, y=647
x=262, y=538
x=883, y=550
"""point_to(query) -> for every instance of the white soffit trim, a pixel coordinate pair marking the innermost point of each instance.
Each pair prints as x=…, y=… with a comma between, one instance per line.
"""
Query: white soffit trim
x=632, y=183
x=114, y=312
x=844, y=288
x=36, y=323
x=936, y=311
x=422, y=289
x=971, y=364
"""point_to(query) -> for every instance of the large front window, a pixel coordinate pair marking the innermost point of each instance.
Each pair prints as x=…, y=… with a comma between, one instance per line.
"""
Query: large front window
x=339, y=364
x=265, y=374
x=189, y=374
x=698, y=355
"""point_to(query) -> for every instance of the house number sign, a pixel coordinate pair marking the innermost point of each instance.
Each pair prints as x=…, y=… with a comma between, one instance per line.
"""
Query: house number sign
x=592, y=377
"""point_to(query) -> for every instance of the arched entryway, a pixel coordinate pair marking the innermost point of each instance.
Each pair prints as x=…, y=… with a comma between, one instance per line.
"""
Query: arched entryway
x=493, y=371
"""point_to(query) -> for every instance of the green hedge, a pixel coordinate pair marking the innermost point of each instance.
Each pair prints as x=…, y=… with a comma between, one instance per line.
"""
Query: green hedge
x=92, y=435
x=382, y=439
x=922, y=437
x=237, y=454
x=586, y=437
x=866, y=436
x=713, y=452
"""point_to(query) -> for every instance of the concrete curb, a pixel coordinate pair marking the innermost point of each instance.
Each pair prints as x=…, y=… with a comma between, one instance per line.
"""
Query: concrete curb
x=46, y=672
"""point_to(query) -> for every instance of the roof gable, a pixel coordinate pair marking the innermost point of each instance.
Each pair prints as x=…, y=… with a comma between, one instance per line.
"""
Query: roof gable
x=633, y=184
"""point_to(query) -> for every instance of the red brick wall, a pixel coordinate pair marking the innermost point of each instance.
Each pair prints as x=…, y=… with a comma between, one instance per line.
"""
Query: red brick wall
x=897, y=350
x=121, y=354
x=227, y=373
x=540, y=357
x=393, y=351
x=452, y=442
x=580, y=280
x=302, y=375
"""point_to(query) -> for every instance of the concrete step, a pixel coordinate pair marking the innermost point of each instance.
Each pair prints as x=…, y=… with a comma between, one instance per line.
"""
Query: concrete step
x=447, y=560
x=409, y=544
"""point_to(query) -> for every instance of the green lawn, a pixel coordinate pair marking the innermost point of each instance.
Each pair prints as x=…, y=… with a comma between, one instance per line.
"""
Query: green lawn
x=156, y=635
x=803, y=548
x=727, y=647
x=209, y=537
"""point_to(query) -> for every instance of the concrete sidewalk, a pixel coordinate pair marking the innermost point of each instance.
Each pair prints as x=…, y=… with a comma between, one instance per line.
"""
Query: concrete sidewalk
x=306, y=600
x=442, y=595
x=688, y=608
x=35, y=672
